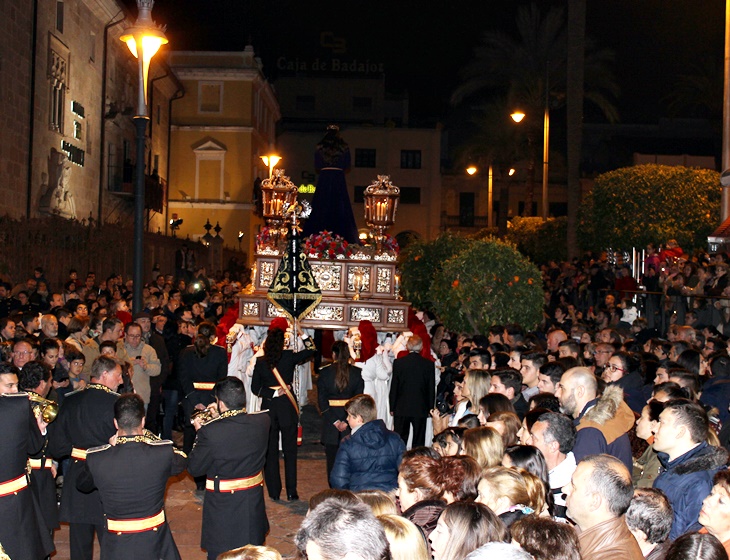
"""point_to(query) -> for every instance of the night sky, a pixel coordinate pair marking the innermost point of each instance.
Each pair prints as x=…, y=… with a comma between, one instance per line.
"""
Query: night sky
x=424, y=45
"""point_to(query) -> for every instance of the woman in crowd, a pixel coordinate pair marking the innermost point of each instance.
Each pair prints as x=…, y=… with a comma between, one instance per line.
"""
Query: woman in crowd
x=476, y=385
x=485, y=445
x=546, y=539
x=625, y=370
x=420, y=491
x=463, y=527
x=460, y=477
x=405, y=539
x=507, y=424
x=450, y=442
x=491, y=403
x=380, y=502
x=715, y=512
x=532, y=460
x=696, y=546
x=646, y=467
x=511, y=493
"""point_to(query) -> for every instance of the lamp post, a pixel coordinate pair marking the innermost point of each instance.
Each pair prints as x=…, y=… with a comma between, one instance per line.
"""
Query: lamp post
x=471, y=170
x=144, y=39
x=517, y=116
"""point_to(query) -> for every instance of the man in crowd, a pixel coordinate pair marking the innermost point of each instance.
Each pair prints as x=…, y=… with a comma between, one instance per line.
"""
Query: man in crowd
x=131, y=475
x=142, y=357
x=597, y=498
x=49, y=327
x=338, y=529
x=23, y=534
x=602, y=423
x=688, y=462
x=508, y=382
x=7, y=329
x=554, y=435
x=23, y=352
x=156, y=341
x=479, y=358
x=649, y=518
x=230, y=451
x=549, y=377
x=86, y=420
x=412, y=392
x=530, y=371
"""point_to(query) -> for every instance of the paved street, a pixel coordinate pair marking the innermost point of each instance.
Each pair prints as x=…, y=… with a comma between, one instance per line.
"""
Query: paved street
x=185, y=513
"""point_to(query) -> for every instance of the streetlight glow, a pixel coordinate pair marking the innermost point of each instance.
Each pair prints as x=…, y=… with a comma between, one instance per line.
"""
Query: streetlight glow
x=270, y=161
x=471, y=170
x=512, y=171
x=517, y=116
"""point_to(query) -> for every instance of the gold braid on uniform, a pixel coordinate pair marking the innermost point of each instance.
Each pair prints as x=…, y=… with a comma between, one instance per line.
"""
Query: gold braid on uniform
x=229, y=413
x=100, y=387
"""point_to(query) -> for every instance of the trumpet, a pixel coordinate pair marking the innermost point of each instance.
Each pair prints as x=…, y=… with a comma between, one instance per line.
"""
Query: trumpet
x=43, y=408
x=205, y=416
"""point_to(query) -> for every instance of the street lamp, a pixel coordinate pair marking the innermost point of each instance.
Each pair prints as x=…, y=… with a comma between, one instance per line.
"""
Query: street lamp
x=517, y=116
x=270, y=162
x=471, y=170
x=144, y=39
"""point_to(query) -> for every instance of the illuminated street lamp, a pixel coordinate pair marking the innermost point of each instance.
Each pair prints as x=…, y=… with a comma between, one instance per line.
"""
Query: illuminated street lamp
x=517, y=116
x=144, y=39
x=471, y=170
x=270, y=161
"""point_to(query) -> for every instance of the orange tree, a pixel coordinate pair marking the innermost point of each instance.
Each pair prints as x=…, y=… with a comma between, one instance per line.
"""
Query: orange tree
x=487, y=283
x=633, y=206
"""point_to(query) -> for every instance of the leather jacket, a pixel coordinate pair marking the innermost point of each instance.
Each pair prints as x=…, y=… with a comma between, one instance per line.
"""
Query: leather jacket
x=609, y=540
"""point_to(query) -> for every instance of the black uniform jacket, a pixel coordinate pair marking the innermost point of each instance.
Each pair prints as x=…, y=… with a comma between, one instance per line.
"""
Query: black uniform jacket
x=43, y=486
x=413, y=388
x=23, y=532
x=131, y=477
x=331, y=412
x=85, y=420
x=232, y=447
x=263, y=376
x=192, y=368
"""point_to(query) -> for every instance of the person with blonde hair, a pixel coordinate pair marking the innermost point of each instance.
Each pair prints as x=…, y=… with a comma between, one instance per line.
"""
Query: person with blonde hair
x=251, y=552
x=405, y=538
x=485, y=445
x=463, y=527
x=380, y=502
x=507, y=424
x=511, y=493
x=476, y=386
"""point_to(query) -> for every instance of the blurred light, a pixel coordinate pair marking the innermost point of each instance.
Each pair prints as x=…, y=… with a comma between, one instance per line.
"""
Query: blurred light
x=517, y=116
x=471, y=170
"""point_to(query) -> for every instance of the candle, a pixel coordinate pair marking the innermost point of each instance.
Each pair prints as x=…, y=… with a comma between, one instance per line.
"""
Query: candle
x=397, y=282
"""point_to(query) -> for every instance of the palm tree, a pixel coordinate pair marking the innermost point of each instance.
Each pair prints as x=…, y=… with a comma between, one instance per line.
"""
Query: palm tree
x=522, y=68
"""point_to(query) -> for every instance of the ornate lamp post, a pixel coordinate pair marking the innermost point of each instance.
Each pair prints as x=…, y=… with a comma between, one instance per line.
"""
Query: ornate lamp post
x=277, y=193
x=381, y=204
x=144, y=39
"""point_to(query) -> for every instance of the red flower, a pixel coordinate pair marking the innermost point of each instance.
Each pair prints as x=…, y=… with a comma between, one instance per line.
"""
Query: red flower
x=455, y=283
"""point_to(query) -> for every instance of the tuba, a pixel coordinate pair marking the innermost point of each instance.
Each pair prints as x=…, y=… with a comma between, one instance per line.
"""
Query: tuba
x=43, y=408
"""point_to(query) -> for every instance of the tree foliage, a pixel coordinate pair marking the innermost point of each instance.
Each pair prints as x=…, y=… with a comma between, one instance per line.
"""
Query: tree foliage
x=633, y=206
x=487, y=283
x=540, y=240
x=421, y=260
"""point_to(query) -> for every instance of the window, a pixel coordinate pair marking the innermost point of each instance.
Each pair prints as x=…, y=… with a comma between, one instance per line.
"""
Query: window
x=362, y=103
x=364, y=157
x=78, y=130
x=410, y=159
x=58, y=78
x=59, y=16
x=305, y=103
x=156, y=164
x=210, y=97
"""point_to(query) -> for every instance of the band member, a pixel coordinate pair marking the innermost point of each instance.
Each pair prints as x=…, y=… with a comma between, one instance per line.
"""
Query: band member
x=337, y=383
x=85, y=420
x=199, y=367
x=272, y=381
x=36, y=380
x=230, y=451
x=23, y=533
x=131, y=474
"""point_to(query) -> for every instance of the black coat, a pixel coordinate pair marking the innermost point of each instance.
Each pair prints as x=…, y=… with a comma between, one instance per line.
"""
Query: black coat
x=131, y=478
x=85, y=420
x=327, y=391
x=413, y=388
x=23, y=532
x=193, y=368
x=227, y=448
x=264, y=378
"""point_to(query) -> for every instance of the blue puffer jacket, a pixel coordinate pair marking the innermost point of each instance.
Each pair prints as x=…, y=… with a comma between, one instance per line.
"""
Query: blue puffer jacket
x=368, y=459
x=687, y=481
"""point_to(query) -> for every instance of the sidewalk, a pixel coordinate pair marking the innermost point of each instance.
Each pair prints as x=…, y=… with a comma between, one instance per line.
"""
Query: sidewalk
x=184, y=513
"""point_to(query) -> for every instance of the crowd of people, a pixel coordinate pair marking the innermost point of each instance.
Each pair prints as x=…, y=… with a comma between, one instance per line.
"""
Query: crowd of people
x=603, y=432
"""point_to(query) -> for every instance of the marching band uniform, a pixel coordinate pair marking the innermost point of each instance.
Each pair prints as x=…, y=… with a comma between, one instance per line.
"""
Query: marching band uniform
x=131, y=478
x=43, y=485
x=23, y=533
x=85, y=420
x=230, y=451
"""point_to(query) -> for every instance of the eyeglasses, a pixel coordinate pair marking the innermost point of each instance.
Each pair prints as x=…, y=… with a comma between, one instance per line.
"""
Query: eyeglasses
x=614, y=367
x=22, y=353
x=602, y=352
x=134, y=336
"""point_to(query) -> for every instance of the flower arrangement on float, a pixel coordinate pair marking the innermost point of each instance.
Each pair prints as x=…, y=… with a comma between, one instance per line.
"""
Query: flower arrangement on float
x=327, y=245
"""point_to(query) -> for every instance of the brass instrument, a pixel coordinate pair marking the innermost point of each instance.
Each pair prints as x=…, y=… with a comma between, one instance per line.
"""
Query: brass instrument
x=205, y=415
x=43, y=408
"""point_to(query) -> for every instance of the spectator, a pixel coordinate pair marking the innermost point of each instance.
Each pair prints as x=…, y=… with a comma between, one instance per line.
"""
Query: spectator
x=546, y=539
x=463, y=527
x=511, y=493
x=649, y=519
x=405, y=539
x=508, y=382
x=485, y=445
x=715, y=512
x=696, y=546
